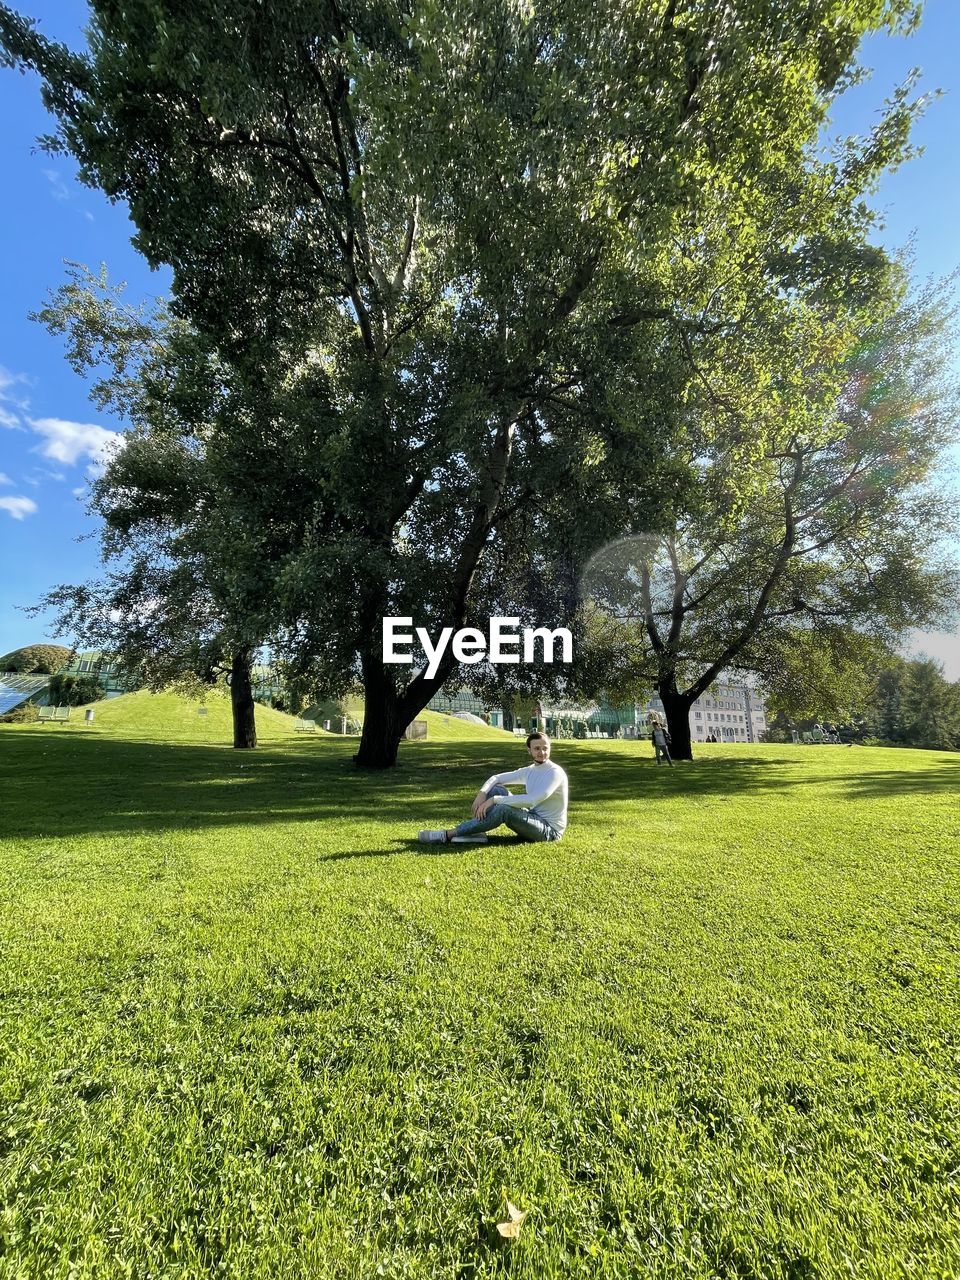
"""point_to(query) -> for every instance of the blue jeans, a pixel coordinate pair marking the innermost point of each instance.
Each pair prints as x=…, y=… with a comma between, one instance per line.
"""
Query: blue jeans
x=526, y=824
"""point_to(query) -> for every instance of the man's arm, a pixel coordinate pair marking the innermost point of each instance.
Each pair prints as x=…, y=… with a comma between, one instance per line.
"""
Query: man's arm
x=482, y=801
x=542, y=781
x=501, y=779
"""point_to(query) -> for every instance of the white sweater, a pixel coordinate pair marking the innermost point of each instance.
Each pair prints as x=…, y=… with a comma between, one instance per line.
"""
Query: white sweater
x=545, y=792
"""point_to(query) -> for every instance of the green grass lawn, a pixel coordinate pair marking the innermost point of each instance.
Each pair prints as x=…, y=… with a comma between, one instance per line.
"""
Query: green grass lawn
x=251, y=1029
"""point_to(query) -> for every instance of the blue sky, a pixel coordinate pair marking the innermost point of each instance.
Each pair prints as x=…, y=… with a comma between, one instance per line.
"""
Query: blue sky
x=50, y=435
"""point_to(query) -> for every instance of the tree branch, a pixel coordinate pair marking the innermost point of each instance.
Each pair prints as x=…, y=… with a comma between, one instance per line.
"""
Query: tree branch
x=749, y=628
x=676, y=605
x=649, y=621
x=420, y=689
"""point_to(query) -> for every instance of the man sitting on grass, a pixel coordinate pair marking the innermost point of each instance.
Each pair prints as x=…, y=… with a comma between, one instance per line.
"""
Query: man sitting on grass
x=539, y=813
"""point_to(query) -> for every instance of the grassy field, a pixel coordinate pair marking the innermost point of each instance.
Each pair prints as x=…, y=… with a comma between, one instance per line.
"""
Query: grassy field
x=250, y=1029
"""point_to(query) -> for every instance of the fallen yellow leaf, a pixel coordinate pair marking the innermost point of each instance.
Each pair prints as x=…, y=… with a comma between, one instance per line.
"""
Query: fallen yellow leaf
x=510, y=1230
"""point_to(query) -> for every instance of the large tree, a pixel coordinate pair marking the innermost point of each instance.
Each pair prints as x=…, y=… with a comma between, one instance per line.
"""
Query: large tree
x=805, y=564
x=438, y=235
x=194, y=513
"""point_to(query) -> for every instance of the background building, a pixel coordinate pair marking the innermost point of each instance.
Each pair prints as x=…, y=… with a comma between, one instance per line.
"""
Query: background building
x=93, y=663
x=728, y=711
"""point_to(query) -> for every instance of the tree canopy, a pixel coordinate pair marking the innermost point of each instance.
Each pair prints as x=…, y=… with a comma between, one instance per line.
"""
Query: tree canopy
x=455, y=258
x=806, y=565
x=187, y=540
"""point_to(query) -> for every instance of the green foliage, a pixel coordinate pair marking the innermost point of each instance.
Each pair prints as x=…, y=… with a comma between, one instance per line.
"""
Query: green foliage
x=776, y=734
x=887, y=701
x=821, y=673
x=36, y=659
x=887, y=718
x=74, y=691
x=184, y=587
x=806, y=564
x=930, y=707
x=450, y=263
x=25, y=713
x=349, y=707
x=913, y=705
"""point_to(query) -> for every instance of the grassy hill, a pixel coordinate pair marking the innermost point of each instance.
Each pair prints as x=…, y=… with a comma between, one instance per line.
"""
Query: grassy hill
x=44, y=658
x=171, y=716
x=252, y=1029
x=444, y=728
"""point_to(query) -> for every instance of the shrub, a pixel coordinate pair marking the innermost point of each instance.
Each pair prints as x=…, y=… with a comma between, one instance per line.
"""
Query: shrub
x=776, y=735
x=74, y=691
x=23, y=714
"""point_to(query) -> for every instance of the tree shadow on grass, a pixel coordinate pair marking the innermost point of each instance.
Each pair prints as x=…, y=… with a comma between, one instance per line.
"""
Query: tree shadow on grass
x=77, y=784
x=734, y=776
x=896, y=782
x=71, y=784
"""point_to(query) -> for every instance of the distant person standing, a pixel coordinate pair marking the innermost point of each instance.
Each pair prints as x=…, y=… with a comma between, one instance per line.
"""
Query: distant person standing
x=661, y=742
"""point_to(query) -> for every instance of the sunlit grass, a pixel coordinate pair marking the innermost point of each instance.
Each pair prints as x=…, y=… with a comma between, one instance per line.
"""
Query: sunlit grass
x=251, y=1029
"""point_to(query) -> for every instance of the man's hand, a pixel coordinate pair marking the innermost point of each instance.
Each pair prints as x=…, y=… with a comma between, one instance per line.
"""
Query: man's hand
x=481, y=804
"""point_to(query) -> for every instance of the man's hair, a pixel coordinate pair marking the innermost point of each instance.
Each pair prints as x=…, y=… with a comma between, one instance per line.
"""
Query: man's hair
x=532, y=737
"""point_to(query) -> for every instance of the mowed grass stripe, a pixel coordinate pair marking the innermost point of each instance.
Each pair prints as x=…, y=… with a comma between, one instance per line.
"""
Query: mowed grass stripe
x=251, y=1029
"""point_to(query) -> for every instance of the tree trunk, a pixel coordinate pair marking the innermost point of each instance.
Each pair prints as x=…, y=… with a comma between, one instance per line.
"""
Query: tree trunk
x=677, y=708
x=382, y=726
x=241, y=699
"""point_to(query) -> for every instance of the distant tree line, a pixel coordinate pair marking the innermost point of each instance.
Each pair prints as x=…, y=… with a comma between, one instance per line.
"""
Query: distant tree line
x=903, y=702
x=914, y=705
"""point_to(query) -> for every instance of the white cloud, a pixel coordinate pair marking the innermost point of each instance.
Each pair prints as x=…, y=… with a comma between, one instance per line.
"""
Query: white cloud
x=65, y=191
x=5, y=479
x=18, y=507
x=59, y=191
x=68, y=442
x=79, y=492
x=8, y=381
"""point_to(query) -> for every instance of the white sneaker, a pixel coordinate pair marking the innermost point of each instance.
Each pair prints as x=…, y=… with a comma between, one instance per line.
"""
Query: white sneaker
x=432, y=837
x=479, y=838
